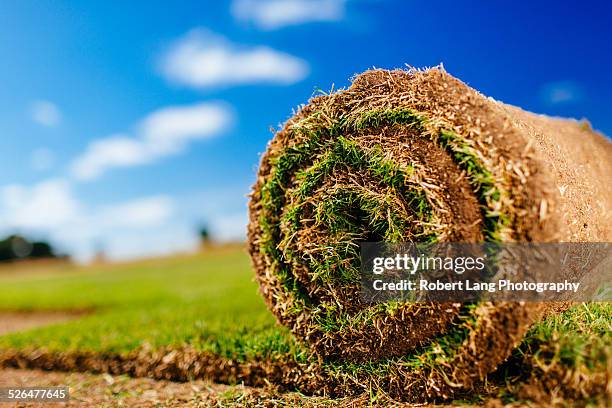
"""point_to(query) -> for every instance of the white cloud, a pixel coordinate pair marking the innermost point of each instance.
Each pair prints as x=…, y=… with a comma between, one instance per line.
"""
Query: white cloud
x=46, y=205
x=110, y=152
x=45, y=113
x=42, y=159
x=144, y=226
x=273, y=14
x=230, y=227
x=127, y=229
x=143, y=212
x=562, y=92
x=201, y=59
x=166, y=239
x=123, y=230
x=169, y=130
x=164, y=132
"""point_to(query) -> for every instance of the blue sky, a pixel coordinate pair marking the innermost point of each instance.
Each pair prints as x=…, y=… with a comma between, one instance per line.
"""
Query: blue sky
x=124, y=125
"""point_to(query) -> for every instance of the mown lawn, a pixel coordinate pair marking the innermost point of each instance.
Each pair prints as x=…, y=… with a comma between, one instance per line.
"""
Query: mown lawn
x=208, y=300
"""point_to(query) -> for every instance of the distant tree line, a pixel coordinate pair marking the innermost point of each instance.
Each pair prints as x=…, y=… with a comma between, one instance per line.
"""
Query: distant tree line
x=15, y=247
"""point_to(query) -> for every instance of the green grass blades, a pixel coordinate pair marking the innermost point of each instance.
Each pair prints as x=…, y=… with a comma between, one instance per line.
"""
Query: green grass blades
x=208, y=301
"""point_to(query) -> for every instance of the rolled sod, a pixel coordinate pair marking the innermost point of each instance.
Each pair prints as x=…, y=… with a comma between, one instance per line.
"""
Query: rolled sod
x=414, y=156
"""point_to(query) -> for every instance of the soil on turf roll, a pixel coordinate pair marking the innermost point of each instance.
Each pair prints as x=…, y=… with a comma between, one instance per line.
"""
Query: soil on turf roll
x=415, y=156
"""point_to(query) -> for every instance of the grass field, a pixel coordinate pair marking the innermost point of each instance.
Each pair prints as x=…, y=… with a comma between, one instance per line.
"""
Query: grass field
x=209, y=301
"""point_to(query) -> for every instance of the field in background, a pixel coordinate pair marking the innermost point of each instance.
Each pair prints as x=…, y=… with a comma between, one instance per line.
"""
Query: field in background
x=209, y=302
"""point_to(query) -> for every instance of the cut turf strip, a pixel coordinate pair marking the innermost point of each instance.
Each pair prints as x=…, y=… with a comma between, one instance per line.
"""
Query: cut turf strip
x=409, y=156
x=564, y=361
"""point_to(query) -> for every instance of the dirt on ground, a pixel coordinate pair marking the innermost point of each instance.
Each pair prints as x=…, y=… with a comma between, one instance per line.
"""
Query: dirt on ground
x=18, y=321
x=103, y=390
x=95, y=390
x=89, y=390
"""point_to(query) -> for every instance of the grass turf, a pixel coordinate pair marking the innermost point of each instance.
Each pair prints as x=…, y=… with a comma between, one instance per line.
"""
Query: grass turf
x=319, y=146
x=209, y=301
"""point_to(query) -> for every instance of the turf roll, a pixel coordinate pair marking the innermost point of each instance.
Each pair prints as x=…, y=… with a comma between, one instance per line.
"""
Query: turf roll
x=414, y=156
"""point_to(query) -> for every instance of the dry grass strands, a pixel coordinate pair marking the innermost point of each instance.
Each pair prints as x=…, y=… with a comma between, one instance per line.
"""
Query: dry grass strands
x=414, y=156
